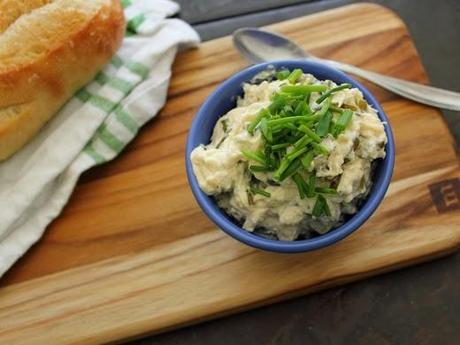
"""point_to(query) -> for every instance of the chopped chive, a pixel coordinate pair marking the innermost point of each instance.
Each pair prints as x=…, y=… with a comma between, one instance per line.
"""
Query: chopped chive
x=327, y=94
x=303, y=89
x=301, y=185
x=287, y=168
x=320, y=148
x=266, y=131
x=291, y=126
x=303, y=141
x=307, y=101
x=326, y=207
x=271, y=162
x=276, y=106
x=281, y=169
x=307, y=159
x=296, y=153
x=321, y=207
x=259, y=168
x=287, y=119
x=295, y=75
x=255, y=156
x=288, y=109
x=291, y=169
x=318, y=208
x=280, y=146
x=342, y=122
x=324, y=108
x=311, y=186
x=314, y=118
x=283, y=74
x=252, y=126
x=324, y=124
x=300, y=109
x=310, y=133
x=326, y=190
x=277, y=129
x=336, y=109
x=260, y=192
x=345, y=118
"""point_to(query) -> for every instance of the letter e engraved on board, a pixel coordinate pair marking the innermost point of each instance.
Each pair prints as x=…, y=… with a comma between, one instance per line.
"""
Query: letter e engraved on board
x=446, y=195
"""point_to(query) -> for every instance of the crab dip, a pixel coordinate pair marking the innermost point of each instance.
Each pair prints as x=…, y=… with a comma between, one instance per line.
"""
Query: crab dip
x=294, y=158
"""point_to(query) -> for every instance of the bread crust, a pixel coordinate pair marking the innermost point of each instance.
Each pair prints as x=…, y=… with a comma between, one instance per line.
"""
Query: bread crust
x=31, y=93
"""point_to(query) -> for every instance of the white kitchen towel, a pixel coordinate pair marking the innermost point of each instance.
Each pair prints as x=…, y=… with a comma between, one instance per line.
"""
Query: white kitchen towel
x=92, y=128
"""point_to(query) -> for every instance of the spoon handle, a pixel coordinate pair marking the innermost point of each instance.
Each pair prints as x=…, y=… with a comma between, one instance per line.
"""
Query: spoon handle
x=420, y=93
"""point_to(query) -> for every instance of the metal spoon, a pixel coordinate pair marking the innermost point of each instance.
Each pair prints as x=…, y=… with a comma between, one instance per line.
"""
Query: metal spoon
x=260, y=46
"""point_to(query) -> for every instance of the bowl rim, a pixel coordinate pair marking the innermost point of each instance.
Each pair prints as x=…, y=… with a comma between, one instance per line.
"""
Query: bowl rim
x=354, y=223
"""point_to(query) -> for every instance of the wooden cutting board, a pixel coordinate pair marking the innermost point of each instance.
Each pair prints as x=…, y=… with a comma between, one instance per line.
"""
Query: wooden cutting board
x=133, y=254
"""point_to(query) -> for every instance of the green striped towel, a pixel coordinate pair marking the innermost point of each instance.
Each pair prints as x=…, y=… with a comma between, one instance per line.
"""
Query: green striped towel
x=92, y=128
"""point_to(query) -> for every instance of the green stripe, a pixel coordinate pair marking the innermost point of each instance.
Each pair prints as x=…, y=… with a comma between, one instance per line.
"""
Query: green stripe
x=102, y=103
x=83, y=95
x=138, y=69
x=126, y=3
x=129, y=33
x=102, y=78
x=109, y=139
x=98, y=101
x=98, y=158
x=135, y=67
x=126, y=120
x=117, y=83
x=136, y=21
x=117, y=61
x=120, y=84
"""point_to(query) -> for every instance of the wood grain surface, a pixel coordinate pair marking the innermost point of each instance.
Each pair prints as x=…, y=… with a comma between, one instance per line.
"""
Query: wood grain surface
x=133, y=254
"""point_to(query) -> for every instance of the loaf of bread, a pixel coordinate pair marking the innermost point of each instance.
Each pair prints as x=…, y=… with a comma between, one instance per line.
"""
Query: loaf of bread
x=48, y=50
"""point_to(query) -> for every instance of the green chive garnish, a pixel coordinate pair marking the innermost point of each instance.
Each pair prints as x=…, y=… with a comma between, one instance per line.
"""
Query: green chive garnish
x=303, y=141
x=303, y=89
x=327, y=94
x=320, y=148
x=255, y=156
x=280, y=146
x=287, y=119
x=295, y=75
x=321, y=207
x=324, y=124
x=292, y=135
x=265, y=129
x=291, y=169
x=324, y=108
x=336, y=109
x=301, y=185
x=342, y=122
x=252, y=126
x=281, y=75
x=307, y=159
x=260, y=192
x=296, y=153
x=310, y=133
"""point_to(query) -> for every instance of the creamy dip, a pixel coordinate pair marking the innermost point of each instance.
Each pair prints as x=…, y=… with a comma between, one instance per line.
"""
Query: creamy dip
x=341, y=162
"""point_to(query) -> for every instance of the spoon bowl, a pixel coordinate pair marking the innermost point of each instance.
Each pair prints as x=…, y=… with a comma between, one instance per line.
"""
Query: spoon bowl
x=259, y=46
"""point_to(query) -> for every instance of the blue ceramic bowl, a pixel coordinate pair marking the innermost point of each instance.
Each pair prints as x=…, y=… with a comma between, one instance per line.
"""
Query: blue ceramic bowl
x=223, y=99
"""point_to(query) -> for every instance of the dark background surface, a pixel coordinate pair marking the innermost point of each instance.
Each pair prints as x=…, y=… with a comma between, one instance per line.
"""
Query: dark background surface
x=418, y=305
